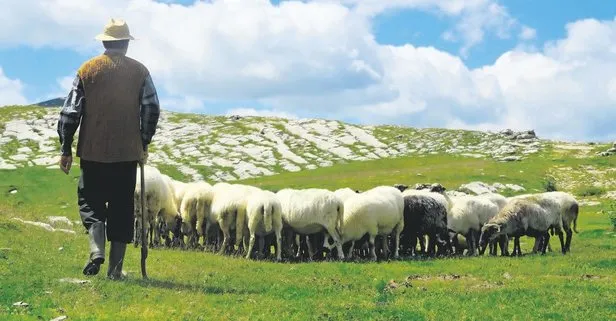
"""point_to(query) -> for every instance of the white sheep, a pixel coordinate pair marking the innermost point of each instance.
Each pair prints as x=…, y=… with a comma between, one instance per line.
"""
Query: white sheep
x=497, y=199
x=310, y=211
x=569, y=208
x=344, y=193
x=467, y=216
x=160, y=204
x=263, y=217
x=229, y=211
x=378, y=211
x=195, y=209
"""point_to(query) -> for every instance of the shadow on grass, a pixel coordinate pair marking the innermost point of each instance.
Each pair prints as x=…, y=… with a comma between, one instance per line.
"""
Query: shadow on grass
x=205, y=289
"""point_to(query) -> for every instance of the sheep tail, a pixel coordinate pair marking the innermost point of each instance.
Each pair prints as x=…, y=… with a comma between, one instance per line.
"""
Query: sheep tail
x=267, y=217
x=576, y=209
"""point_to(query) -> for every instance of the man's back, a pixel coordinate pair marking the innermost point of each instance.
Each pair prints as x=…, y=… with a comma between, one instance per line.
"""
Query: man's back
x=110, y=129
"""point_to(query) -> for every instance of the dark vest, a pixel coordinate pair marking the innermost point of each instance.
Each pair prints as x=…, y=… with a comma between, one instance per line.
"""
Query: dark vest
x=110, y=124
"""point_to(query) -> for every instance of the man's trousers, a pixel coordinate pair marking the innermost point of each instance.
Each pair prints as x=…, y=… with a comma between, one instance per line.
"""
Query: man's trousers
x=106, y=194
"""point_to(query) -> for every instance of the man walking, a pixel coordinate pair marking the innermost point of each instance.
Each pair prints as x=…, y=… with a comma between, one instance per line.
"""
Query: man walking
x=116, y=104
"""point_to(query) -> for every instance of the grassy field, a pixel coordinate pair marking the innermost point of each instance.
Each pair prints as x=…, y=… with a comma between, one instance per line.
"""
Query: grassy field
x=190, y=285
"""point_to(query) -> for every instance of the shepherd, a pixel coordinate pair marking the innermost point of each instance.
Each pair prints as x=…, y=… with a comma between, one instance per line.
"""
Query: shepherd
x=114, y=103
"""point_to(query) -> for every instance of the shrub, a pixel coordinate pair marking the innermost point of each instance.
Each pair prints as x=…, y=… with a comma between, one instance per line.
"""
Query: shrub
x=550, y=184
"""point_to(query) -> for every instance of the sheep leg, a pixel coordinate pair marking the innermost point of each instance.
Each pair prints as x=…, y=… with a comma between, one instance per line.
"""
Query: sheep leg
x=350, y=255
x=278, y=245
x=225, y=241
x=504, y=246
x=469, y=243
x=385, y=247
x=517, y=250
x=372, y=248
x=431, y=244
x=546, y=241
x=397, y=232
x=298, y=243
x=563, y=248
x=455, y=242
x=569, y=236
x=310, y=249
x=250, y=245
x=337, y=241
x=413, y=245
x=422, y=244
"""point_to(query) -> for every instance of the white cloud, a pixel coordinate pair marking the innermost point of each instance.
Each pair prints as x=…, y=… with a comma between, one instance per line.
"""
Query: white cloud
x=475, y=17
x=260, y=112
x=564, y=91
x=11, y=91
x=527, y=33
x=320, y=59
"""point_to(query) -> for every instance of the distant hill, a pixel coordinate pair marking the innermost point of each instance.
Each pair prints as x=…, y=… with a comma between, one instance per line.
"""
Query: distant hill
x=56, y=102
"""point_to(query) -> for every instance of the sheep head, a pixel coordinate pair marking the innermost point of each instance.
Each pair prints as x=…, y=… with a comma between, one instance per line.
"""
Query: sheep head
x=401, y=187
x=489, y=232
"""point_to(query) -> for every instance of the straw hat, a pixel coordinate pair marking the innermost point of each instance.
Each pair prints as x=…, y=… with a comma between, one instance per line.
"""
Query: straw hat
x=115, y=29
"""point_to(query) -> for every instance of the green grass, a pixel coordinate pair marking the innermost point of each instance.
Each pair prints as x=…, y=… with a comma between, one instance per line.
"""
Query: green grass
x=189, y=285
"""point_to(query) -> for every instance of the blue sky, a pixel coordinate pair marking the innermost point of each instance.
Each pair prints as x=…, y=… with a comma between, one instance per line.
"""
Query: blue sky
x=398, y=82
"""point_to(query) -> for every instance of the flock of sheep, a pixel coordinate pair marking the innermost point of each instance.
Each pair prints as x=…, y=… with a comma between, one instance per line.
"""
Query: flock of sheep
x=385, y=221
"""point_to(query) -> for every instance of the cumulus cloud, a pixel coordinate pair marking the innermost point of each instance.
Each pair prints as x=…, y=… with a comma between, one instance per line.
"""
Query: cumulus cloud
x=565, y=90
x=320, y=59
x=11, y=91
x=475, y=18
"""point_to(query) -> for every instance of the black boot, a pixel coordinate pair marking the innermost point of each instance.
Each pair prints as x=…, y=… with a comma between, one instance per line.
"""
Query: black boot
x=116, y=260
x=96, y=234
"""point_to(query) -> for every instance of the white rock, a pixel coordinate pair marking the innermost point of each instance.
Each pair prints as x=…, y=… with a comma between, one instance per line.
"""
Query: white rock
x=60, y=318
x=477, y=188
x=46, y=161
x=19, y=157
x=24, y=150
x=515, y=188
x=74, y=281
x=59, y=219
x=39, y=224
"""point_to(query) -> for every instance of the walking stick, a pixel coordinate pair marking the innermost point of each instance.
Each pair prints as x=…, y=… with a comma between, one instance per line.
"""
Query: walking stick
x=144, y=246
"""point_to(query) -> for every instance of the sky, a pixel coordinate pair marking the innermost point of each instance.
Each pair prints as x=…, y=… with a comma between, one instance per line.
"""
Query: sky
x=546, y=65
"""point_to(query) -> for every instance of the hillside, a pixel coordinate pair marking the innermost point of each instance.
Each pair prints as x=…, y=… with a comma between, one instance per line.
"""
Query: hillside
x=231, y=148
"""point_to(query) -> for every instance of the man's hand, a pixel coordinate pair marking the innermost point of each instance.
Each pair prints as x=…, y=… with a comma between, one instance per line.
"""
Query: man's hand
x=65, y=163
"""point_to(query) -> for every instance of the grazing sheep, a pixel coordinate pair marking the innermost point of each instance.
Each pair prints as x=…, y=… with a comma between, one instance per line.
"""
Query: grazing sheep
x=467, y=216
x=437, y=192
x=263, y=217
x=345, y=193
x=551, y=202
x=311, y=211
x=195, y=209
x=497, y=199
x=423, y=215
x=519, y=217
x=562, y=205
x=229, y=211
x=378, y=211
x=570, y=209
x=159, y=202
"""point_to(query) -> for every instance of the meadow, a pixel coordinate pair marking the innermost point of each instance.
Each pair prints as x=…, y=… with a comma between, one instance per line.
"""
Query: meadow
x=195, y=285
